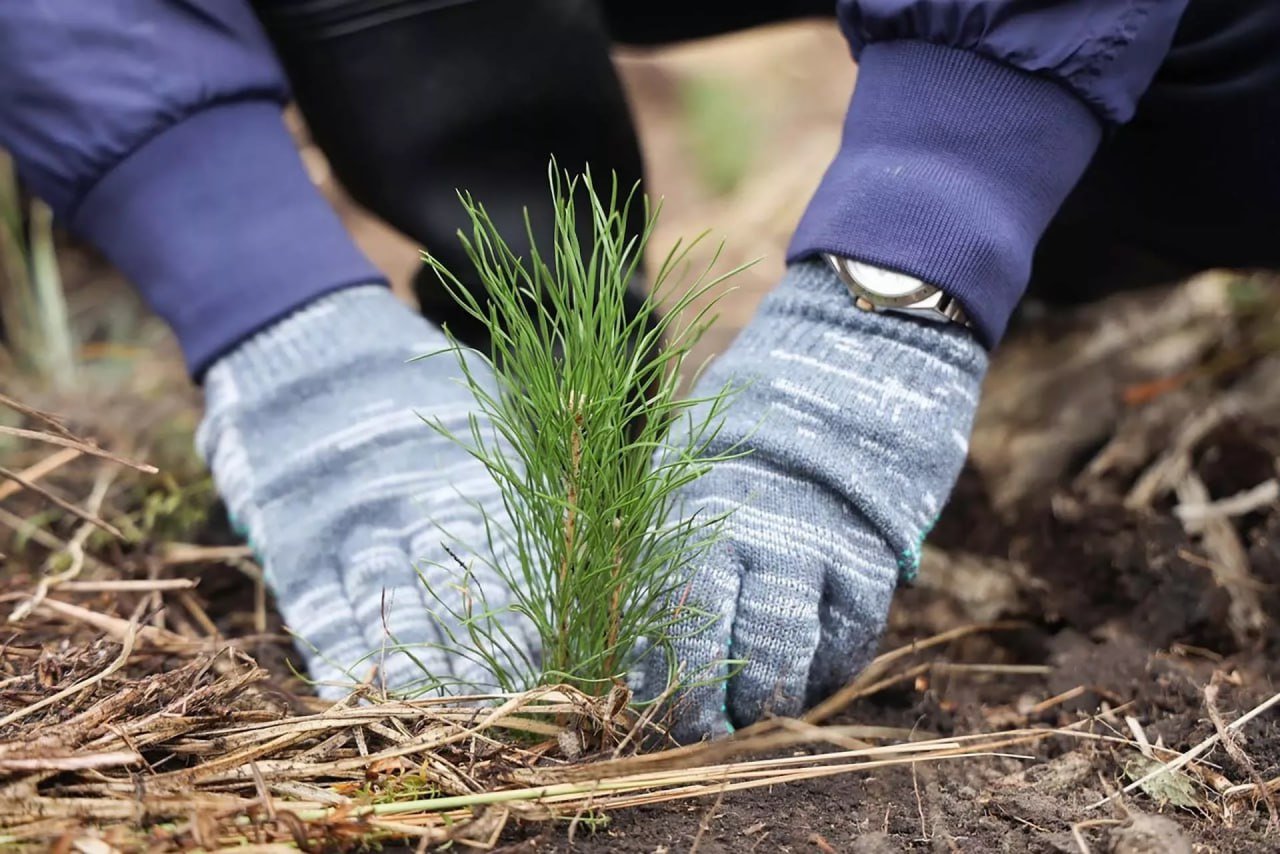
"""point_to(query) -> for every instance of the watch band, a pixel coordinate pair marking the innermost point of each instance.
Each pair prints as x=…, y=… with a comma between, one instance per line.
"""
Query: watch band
x=900, y=293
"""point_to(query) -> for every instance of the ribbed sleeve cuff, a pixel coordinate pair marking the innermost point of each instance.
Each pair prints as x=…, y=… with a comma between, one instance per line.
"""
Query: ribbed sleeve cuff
x=217, y=224
x=950, y=168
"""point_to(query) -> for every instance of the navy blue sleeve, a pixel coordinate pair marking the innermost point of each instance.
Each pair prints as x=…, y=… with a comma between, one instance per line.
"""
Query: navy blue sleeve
x=970, y=122
x=1105, y=51
x=154, y=129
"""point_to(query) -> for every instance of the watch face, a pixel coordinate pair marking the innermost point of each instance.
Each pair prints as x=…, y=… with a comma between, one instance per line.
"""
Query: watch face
x=882, y=282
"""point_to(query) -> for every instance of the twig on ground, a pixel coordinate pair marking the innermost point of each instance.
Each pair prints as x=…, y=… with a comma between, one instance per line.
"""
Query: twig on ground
x=1231, y=744
x=79, y=762
x=1229, y=562
x=46, y=418
x=119, y=628
x=177, y=554
x=44, y=467
x=1270, y=786
x=61, y=502
x=83, y=447
x=1190, y=755
x=1242, y=503
x=93, y=507
x=705, y=824
x=26, y=528
x=820, y=842
x=1058, y=699
x=128, y=585
x=1006, y=669
x=915, y=786
x=1079, y=826
x=75, y=548
x=865, y=683
x=1171, y=467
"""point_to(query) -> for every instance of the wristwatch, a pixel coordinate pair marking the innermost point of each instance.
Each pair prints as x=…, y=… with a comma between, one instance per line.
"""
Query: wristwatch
x=877, y=289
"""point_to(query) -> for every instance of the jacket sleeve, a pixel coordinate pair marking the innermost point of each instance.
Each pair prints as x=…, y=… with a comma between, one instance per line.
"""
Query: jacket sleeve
x=154, y=130
x=970, y=122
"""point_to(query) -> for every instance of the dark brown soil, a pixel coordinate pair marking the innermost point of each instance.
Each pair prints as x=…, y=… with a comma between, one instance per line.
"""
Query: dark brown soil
x=1105, y=620
x=1115, y=598
x=1118, y=603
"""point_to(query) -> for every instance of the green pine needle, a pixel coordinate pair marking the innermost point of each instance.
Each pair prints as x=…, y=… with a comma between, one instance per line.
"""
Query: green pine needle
x=582, y=420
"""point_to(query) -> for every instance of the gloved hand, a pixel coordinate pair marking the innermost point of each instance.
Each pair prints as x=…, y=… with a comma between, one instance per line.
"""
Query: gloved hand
x=314, y=436
x=858, y=425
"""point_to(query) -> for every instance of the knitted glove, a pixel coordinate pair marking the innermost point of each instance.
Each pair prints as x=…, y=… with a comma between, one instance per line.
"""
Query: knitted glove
x=314, y=434
x=857, y=426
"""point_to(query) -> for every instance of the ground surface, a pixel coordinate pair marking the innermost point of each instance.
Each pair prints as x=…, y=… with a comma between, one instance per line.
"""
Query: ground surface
x=1095, y=427
x=1119, y=605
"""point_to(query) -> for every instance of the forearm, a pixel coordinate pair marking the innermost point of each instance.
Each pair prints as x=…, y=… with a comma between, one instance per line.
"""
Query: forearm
x=154, y=130
x=970, y=124
x=216, y=223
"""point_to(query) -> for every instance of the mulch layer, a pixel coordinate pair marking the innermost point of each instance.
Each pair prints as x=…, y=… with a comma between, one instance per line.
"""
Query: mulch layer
x=1102, y=596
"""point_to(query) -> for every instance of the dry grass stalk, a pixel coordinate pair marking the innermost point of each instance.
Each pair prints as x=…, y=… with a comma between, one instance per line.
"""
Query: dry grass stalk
x=75, y=444
x=61, y=502
x=138, y=734
x=1187, y=757
x=34, y=472
x=219, y=768
x=1228, y=561
x=26, y=528
x=1231, y=743
x=178, y=554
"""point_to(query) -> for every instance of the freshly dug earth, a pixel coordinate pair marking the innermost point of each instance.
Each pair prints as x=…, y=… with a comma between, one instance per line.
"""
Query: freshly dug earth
x=1131, y=608
x=1120, y=605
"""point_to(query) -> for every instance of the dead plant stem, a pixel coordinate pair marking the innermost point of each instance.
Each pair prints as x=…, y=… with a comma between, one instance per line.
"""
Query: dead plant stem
x=126, y=649
x=83, y=447
x=61, y=502
x=34, y=472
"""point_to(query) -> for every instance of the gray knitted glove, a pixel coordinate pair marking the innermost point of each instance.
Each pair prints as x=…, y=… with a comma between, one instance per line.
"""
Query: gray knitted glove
x=858, y=425
x=313, y=434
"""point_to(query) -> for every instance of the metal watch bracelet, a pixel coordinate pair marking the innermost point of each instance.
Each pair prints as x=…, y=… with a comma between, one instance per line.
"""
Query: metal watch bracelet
x=879, y=289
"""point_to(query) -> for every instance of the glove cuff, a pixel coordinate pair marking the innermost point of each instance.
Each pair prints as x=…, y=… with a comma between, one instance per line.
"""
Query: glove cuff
x=354, y=326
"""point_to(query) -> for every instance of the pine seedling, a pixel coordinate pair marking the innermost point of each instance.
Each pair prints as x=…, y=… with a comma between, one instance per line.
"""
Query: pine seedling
x=579, y=437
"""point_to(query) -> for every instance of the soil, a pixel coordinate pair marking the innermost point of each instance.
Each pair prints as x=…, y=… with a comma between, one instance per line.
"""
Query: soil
x=1119, y=604
x=1124, y=608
